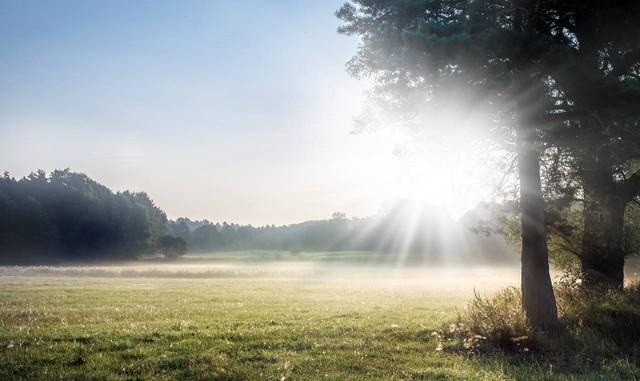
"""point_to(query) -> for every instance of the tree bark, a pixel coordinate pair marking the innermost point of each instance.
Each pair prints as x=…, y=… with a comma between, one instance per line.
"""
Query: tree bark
x=602, y=255
x=538, y=299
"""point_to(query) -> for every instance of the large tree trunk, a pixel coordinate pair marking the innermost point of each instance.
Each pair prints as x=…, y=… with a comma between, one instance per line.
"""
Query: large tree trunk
x=602, y=256
x=538, y=300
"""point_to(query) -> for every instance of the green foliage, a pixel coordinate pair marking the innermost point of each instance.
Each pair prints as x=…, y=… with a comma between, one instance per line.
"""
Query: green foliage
x=604, y=321
x=565, y=231
x=171, y=247
x=67, y=216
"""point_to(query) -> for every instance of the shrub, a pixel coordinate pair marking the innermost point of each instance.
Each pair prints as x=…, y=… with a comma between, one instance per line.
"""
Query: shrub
x=595, y=325
x=489, y=324
x=609, y=318
x=171, y=247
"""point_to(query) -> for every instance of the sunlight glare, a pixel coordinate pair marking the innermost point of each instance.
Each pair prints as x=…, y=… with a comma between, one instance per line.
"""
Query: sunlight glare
x=450, y=172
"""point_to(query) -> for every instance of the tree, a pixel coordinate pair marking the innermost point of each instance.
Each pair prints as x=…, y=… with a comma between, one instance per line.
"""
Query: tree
x=596, y=76
x=171, y=247
x=338, y=216
x=477, y=51
x=180, y=228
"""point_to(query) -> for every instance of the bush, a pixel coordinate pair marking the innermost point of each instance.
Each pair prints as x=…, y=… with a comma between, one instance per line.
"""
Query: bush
x=489, y=324
x=171, y=247
x=595, y=325
x=611, y=319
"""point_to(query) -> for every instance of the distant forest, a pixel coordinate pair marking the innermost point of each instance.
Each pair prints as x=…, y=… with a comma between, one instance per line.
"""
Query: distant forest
x=420, y=235
x=67, y=216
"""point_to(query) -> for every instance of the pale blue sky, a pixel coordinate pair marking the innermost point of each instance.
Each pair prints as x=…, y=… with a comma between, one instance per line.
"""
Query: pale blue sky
x=227, y=110
x=221, y=109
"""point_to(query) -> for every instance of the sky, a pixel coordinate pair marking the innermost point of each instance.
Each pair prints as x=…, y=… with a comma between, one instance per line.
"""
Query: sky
x=227, y=110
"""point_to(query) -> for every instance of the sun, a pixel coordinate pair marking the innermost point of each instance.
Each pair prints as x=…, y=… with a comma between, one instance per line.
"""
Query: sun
x=448, y=183
x=451, y=172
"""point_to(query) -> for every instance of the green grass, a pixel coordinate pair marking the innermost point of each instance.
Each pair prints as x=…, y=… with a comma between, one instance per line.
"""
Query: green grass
x=263, y=327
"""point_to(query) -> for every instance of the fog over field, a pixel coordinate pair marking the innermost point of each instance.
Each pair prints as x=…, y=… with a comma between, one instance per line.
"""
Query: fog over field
x=329, y=267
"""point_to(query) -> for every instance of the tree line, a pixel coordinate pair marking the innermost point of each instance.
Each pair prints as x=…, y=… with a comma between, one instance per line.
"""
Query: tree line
x=67, y=216
x=402, y=231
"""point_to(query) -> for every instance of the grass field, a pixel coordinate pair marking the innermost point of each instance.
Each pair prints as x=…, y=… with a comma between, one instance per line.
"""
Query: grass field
x=212, y=318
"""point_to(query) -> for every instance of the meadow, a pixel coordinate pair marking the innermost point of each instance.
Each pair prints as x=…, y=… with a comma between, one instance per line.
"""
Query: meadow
x=253, y=316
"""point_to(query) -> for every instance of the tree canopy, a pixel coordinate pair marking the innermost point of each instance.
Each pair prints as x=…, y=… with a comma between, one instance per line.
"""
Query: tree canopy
x=67, y=216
